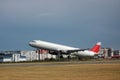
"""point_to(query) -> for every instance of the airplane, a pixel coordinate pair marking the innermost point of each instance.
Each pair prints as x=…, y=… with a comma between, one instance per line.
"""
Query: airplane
x=54, y=48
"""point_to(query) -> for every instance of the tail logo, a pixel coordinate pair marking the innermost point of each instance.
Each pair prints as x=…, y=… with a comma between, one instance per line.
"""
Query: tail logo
x=96, y=47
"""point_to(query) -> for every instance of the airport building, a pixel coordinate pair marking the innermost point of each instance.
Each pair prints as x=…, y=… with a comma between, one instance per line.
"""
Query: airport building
x=17, y=56
x=109, y=53
x=34, y=55
x=11, y=56
x=37, y=55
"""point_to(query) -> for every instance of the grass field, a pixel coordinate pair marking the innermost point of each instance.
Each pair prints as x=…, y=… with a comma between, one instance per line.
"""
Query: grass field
x=62, y=72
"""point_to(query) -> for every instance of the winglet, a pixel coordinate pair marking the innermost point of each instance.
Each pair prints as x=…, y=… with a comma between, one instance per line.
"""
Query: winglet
x=96, y=47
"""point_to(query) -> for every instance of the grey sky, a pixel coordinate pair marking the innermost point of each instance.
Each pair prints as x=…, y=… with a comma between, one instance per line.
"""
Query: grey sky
x=79, y=23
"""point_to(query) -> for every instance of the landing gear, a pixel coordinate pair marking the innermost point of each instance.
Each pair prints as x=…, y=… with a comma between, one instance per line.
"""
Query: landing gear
x=59, y=56
x=69, y=57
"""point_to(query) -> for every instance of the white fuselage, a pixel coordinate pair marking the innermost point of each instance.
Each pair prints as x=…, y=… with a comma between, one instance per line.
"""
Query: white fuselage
x=50, y=46
x=84, y=53
x=57, y=47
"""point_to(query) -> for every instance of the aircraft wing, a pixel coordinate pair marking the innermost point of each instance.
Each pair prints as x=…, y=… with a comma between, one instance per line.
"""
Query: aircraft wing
x=71, y=51
x=65, y=51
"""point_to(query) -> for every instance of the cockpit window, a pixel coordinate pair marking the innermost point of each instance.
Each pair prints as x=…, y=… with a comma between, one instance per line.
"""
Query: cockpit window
x=34, y=41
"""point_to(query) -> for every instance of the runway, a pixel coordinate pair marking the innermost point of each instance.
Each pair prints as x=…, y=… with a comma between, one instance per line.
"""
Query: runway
x=58, y=63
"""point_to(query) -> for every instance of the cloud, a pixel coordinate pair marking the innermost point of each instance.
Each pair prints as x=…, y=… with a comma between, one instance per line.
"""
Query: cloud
x=84, y=20
x=44, y=14
x=59, y=13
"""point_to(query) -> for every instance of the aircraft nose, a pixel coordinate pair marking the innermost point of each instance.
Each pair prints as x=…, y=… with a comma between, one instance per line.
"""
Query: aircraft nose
x=30, y=43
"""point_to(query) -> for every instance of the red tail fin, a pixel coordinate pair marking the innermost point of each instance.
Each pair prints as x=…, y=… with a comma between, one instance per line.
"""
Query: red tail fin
x=96, y=47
